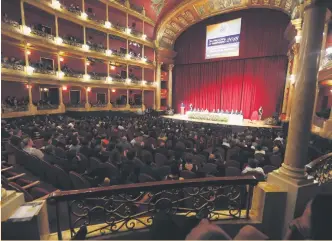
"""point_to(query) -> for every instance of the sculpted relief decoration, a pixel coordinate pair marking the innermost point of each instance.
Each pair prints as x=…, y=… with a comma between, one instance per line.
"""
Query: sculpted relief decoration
x=196, y=10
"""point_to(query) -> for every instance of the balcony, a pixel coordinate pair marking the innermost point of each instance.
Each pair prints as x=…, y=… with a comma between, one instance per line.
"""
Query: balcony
x=327, y=59
x=66, y=44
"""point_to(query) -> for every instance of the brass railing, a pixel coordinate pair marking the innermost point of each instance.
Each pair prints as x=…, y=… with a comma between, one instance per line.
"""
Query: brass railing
x=132, y=205
x=13, y=66
x=42, y=34
x=320, y=169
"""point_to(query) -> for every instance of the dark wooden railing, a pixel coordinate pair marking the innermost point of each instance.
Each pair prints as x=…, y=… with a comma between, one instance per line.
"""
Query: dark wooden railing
x=320, y=169
x=127, y=206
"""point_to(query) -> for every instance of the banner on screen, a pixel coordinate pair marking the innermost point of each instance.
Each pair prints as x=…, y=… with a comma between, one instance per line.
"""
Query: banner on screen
x=223, y=39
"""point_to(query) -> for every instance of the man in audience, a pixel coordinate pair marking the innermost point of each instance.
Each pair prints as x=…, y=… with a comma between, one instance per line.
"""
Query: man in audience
x=253, y=168
x=28, y=147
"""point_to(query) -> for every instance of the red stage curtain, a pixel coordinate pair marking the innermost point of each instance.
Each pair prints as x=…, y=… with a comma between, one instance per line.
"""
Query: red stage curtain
x=237, y=84
x=245, y=82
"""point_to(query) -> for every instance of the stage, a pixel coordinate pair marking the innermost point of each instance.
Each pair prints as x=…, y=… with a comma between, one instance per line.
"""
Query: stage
x=246, y=122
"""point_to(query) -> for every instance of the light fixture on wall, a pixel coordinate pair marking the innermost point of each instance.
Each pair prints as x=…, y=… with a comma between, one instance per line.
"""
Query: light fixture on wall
x=113, y=67
x=30, y=70
x=26, y=30
x=109, y=79
x=84, y=15
x=28, y=86
x=85, y=47
x=28, y=52
x=88, y=89
x=298, y=38
x=56, y=4
x=87, y=63
x=61, y=59
x=144, y=36
x=108, y=24
x=113, y=90
x=292, y=78
x=128, y=30
x=58, y=40
x=128, y=81
x=144, y=82
x=64, y=87
x=144, y=59
x=108, y=52
x=60, y=74
x=328, y=50
x=128, y=56
x=86, y=77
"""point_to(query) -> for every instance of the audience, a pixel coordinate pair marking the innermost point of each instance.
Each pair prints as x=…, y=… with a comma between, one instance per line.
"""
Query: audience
x=27, y=144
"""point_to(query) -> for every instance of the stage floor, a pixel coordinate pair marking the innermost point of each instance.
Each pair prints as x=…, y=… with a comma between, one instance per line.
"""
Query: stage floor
x=246, y=122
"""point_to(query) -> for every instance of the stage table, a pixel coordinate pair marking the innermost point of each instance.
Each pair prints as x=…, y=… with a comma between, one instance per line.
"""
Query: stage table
x=236, y=119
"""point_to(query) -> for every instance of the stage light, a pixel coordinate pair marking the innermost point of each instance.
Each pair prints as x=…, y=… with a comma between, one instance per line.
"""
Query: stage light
x=26, y=30
x=113, y=90
x=128, y=30
x=108, y=24
x=108, y=52
x=28, y=52
x=86, y=77
x=85, y=47
x=60, y=74
x=64, y=87
x=84, y=15
x=61, y=59
x=144, y=36
x=109, y=79
x=88, y=89
x=30, y=70
x=56, y=4
x=58, y=40
x=112, y=67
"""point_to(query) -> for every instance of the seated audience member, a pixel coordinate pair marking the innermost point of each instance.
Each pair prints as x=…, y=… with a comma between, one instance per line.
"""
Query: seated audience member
x=253, y=167
x=259, y=150
x=279, y=138
x=175, y=173
x=85, y=149
x=315, y=222
x=188, y=165
x=28, y=147
x=74, y=144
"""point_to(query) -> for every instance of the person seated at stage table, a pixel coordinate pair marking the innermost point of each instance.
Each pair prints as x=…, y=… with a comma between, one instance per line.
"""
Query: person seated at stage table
x=206, y=110
x=218, y=111
x=227, y=112
x=236, y=112
x=213, y=111
x=241, y=112
x=232, y=112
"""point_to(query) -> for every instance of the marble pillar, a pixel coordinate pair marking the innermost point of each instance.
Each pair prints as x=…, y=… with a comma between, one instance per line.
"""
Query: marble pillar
x=170, y=85
x=158, y=86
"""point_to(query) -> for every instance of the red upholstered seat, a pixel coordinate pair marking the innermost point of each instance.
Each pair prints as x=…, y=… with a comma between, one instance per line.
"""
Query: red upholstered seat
x=254, y=116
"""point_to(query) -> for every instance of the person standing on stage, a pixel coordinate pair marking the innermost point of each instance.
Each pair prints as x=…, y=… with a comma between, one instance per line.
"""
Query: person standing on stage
x=260, y=112
x=191, y=107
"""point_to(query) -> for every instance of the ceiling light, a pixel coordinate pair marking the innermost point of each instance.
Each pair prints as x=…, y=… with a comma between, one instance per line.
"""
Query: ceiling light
x=144, y=82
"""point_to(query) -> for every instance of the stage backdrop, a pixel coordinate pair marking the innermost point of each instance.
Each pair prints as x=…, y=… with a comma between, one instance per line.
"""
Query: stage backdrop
x=255, y=77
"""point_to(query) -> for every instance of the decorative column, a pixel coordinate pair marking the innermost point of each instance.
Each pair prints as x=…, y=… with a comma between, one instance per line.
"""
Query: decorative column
x=22, y=13
x=127, y=105
x=83, y=6
x=109, y=105
x=87, y=104
x=288, y=81
x=32, y=108
x=56, y=27
x=143, y=105
x=61, y=105
x=84, y=35
x=170, y=85
x=158, y=86
x=290, y=178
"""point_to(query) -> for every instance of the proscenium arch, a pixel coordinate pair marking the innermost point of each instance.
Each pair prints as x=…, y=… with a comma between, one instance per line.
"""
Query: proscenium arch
x=189, y=12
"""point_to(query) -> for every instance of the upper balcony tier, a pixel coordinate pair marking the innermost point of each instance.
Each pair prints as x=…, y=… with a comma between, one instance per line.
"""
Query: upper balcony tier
x=37, y=38
x=84, y=19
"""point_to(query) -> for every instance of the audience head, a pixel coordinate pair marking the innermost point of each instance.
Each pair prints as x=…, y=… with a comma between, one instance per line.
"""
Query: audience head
x=252, y=162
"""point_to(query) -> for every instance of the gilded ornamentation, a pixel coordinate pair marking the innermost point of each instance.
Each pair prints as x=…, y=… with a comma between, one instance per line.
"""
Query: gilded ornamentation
x=157, y=6
x=168, y=41
x=182, y=21
x=175, y=26
x=288, y=5
x=277, y=3
x=169, y=32
x=188, y=16
x=254, y=2
x=266, y=2
x=210, y=6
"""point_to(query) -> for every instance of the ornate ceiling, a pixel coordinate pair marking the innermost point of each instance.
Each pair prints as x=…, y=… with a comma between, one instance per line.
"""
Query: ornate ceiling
x=181, y=16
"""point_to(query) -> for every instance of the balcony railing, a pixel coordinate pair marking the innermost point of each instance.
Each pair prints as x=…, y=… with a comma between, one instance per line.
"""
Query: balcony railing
x=44, y=71
x=11, y=23
x=72, y=43
x=9, y=109
x=320, y=169
x=12, y=66
x=94, y=76
x=47, y=107
x=135, y=206
x=74, y=75
x=119, y=106
x=80, y=105
x=42, y=34
x=97, y=48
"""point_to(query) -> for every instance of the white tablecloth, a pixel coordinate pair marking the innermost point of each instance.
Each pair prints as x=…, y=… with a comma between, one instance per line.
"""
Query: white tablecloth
x=231, y=118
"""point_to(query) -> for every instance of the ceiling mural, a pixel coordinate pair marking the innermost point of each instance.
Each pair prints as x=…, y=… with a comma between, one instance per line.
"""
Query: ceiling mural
x=157, y=6
x=189, y=12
